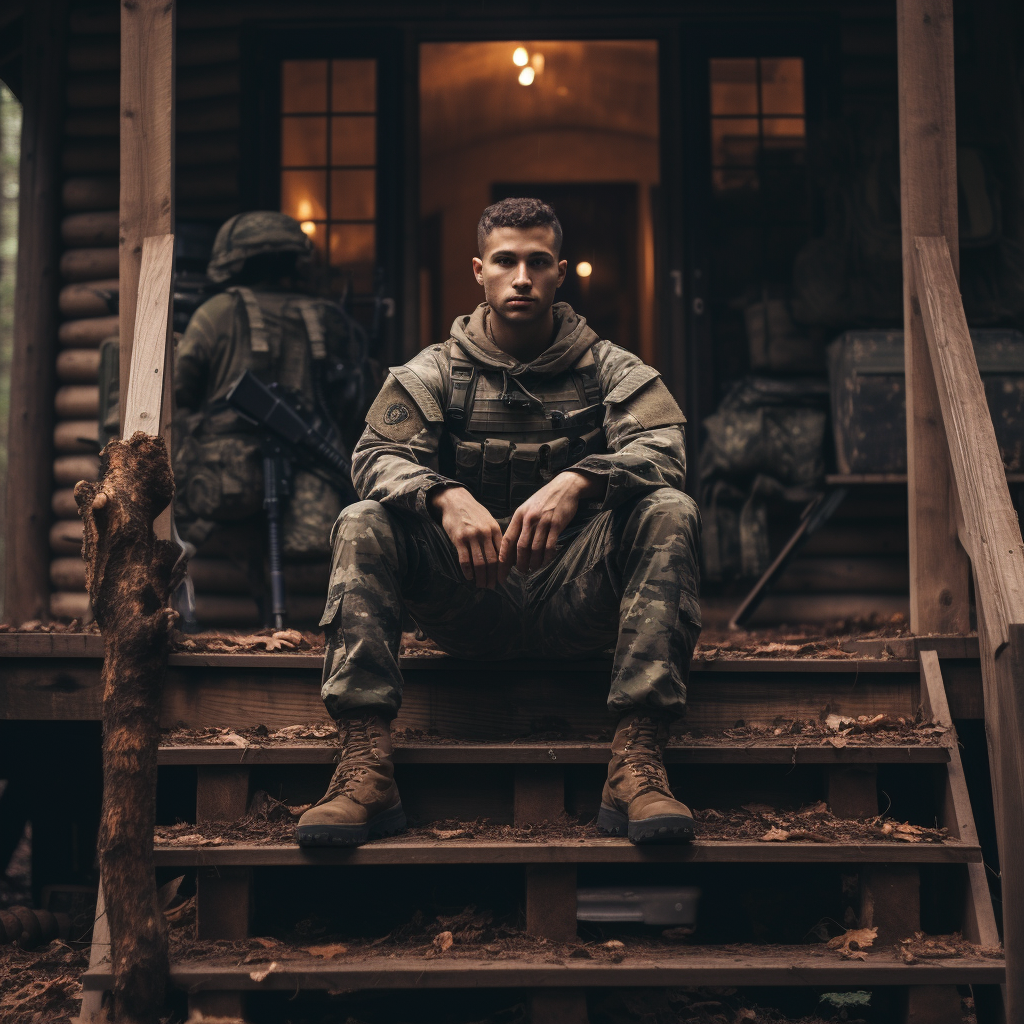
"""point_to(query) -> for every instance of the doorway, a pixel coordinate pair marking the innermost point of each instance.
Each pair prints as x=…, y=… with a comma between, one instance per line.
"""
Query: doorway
x=572, y=122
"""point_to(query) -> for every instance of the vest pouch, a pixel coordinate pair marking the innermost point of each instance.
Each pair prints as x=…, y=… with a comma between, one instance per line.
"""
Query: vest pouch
x=525, y=473
x=494, y=485
x=589, y=443
x=555, y=458
x=468, y=457
x=222, y=476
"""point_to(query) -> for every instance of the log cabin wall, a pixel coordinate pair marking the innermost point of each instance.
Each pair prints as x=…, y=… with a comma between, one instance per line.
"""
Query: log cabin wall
x=210, y=145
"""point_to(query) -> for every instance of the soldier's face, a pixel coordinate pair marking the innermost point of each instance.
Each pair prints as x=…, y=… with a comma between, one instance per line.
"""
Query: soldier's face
x=519, y=272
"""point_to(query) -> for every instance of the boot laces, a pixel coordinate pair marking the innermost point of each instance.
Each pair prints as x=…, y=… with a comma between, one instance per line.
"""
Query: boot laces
x=642, y=756
x=357, y=758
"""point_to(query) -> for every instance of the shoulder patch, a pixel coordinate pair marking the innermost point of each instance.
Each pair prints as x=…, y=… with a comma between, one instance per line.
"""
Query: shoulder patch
x=653, y=406
x=394, y=414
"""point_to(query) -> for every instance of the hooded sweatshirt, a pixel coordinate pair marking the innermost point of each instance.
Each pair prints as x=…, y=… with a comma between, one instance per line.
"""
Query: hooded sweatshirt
x=396, y=459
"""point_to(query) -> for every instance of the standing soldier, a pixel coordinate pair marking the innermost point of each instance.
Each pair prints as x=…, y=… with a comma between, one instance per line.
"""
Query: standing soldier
x=266, y=322
x=522, y=487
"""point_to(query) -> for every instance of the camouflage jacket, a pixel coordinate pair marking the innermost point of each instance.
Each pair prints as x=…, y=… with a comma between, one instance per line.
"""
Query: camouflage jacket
x=396, y=459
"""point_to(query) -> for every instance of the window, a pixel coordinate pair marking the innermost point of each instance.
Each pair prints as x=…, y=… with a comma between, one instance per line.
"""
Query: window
x=329, y=160
x=757, y=111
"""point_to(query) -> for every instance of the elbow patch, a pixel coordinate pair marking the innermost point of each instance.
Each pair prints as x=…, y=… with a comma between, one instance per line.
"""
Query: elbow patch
x=653, y=406
x=394, y=414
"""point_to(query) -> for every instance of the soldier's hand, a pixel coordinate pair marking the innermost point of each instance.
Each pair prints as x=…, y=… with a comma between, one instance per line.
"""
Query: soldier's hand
x=473, y=531
x=531, y=538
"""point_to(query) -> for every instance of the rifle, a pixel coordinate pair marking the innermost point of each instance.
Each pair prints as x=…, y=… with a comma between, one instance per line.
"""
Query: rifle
x=287, y=434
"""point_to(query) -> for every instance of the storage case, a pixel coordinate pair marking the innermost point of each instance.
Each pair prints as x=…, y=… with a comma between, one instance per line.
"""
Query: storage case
x=869, y=405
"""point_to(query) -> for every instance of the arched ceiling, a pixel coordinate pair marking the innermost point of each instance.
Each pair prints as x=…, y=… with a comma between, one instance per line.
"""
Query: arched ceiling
x=470, y=92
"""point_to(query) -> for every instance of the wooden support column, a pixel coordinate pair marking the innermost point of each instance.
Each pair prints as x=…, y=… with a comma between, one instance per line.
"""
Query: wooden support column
x=147, y=170
x=223, y=895
x=938, y=564
x=30, y=439
x=539, y=793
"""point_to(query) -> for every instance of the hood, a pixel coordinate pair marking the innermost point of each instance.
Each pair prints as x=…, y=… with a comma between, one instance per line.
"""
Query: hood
x=572, y=339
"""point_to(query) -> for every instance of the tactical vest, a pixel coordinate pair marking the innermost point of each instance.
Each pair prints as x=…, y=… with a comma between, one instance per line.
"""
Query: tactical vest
x=509, y=435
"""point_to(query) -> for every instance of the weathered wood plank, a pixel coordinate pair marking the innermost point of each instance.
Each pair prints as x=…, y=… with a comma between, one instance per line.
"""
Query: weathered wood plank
x=927, y=116
x=592, y=851
x=144, y=400
x=777, y=965
x=555, y=753
x=30, y=438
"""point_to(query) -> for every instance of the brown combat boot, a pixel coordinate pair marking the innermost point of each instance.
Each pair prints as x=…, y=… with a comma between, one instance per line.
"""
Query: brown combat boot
x=636, y=800
x=362, y=801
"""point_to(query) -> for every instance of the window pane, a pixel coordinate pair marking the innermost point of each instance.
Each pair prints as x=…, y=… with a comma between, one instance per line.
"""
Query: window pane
x=304, y=142
x=783, y=132
x=725, y=180
x=354, y=86
x=734, y=142
x=352, y=244
x=303, y=86
x=782, y=85
x=734, y=87
x=304, y=194
x=353, y=140
x=353, y=195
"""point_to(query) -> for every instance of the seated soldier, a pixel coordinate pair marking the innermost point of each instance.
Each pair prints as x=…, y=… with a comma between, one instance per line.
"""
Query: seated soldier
x=265, y=321
x=523, y=495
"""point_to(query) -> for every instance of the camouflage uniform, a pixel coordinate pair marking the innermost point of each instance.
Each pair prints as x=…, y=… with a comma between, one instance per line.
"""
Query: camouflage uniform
x=626, y=570
x=281, y=336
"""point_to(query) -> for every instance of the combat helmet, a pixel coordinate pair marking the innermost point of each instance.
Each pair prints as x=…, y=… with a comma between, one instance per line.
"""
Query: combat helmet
x=252, y=234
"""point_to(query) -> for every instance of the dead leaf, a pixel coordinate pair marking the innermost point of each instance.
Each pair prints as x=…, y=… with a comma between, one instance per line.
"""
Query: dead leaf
x=613, y=944
x=819, y=808
x=745, y=1013
x=854, y=940
x=775, y=835
x=451, y=833
x=838, y=722
x=758, y=808
x=327, y=952
x=264, y=973
x=443, y=941
x=166, y=893
x=182, y=912
x=808, y=836
x=231, y=738
x=267, y=943
x=838, y=741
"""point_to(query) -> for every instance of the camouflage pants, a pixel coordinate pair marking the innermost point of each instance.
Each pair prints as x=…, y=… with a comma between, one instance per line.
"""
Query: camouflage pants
x=628, y=579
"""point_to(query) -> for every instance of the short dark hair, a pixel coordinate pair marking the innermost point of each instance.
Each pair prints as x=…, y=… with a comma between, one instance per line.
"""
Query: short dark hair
x=517, y=213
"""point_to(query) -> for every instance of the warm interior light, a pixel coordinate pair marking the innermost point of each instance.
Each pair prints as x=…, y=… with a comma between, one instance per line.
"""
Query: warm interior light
x=305, y=209
x=537, y=62
x=526, y=76
x=308, y=228
x=520, y=56
x=584, y=269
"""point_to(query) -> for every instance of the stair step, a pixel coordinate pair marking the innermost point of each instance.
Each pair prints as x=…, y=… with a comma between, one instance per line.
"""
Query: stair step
x=549, y=966
x=558, y=752
x=589, y=851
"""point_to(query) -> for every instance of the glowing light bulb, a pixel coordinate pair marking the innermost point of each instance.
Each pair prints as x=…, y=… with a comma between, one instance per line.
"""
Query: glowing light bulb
x=520, y=56
x=584, y=269
x=537, y=63
x=308, y=228
x=526, y=76
x=305, y=209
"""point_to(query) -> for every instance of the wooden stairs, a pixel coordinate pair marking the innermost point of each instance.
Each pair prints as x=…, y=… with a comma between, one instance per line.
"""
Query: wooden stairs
x=463, y=758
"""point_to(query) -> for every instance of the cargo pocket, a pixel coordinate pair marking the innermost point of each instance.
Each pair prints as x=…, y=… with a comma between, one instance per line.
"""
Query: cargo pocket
x=333, y=604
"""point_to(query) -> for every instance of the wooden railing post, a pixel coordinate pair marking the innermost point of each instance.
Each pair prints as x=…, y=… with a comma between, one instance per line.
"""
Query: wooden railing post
x=147, y=174
x=991, y=535
x=938, y=565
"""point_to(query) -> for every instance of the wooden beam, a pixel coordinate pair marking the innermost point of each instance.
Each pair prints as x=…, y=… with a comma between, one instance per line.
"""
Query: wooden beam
x=30, y=438
x=147, y=160
x=938, y=567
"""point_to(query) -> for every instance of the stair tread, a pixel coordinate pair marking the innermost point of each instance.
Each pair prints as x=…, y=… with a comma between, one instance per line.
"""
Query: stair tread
x=536, y=964
x=397, y=851
x=557, y=752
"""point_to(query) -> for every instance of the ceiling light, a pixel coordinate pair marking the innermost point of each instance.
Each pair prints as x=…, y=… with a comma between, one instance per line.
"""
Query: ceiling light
x=308, y=228
x=520, y=57
x=584, y=269
x=304, y=209
x=526, y=76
